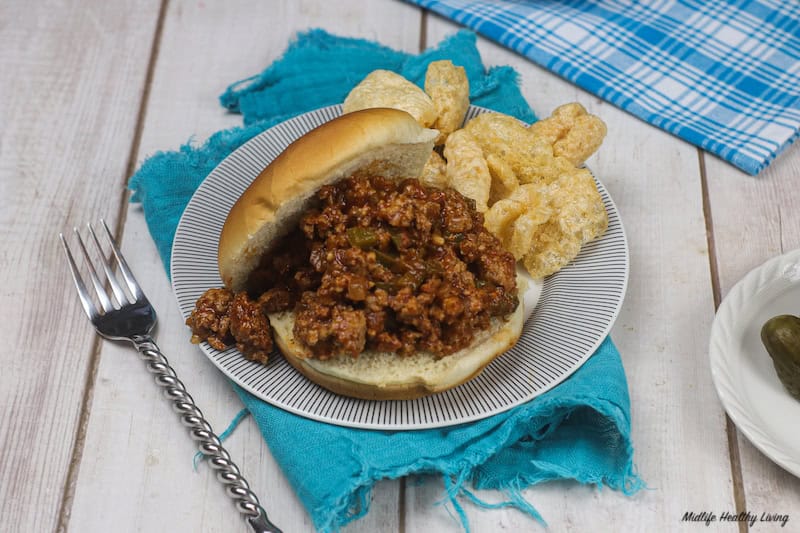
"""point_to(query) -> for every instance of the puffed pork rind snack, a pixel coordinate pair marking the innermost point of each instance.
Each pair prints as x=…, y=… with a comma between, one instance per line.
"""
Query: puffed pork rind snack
x=448, y=87
x=555, y=208
x=466, y=169
x=579, y=217
x=573, y=133
x=504, y=181
x=530, y=157
x=384, y=88
x=515, y=220
x=434, y=173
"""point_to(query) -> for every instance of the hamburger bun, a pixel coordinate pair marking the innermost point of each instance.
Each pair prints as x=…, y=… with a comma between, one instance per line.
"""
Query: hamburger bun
x=385, y=142
x=388, y=142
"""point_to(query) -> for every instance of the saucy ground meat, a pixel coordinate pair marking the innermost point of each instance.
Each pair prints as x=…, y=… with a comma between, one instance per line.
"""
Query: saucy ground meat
x=382, y=265
x=210, y=321
x=221, y=318
x=250, y=328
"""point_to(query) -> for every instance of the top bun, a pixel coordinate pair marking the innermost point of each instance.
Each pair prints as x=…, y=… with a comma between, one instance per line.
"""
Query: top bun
x=382, y=141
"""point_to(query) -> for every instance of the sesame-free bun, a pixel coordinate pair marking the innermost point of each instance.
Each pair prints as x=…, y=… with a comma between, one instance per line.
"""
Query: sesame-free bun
x=387, y=142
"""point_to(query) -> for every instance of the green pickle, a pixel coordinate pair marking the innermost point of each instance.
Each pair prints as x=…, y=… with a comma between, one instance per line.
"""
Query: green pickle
x=781, y=338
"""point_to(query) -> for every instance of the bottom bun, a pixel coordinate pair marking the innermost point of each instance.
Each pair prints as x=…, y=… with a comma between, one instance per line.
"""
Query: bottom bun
x=387, y=376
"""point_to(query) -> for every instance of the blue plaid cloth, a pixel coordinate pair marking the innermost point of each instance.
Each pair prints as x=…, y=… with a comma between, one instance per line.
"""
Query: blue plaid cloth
x=721, y=74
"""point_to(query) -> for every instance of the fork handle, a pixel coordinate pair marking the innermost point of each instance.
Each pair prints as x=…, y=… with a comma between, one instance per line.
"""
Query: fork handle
x=200, y=430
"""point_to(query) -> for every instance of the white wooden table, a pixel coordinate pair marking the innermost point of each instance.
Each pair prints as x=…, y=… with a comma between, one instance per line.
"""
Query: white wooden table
x=88, y=89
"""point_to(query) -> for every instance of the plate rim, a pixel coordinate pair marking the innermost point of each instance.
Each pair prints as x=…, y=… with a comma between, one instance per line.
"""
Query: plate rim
x=397, y=426
x=722, y=344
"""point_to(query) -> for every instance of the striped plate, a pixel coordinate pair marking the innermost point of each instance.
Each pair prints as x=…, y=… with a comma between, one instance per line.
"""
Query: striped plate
x=576, y=310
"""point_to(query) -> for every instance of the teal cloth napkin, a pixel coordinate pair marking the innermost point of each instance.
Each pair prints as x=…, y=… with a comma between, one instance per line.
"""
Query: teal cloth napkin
x=579, y=430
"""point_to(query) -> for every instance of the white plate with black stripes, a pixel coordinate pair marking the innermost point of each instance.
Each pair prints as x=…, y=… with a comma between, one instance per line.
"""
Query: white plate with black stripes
x=575, y=311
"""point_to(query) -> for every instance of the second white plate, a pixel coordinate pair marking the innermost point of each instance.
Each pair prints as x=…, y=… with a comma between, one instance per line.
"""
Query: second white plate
x=741, y=368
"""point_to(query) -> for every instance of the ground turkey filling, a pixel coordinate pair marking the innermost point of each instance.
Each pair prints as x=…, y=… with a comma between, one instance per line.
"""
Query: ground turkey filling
x=376, y=265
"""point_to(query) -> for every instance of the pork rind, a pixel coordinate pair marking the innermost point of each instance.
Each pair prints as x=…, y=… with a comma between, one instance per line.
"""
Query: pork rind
x=514, y=220
x=579, y=217
x=541, y=207
x=530, y=157
x=537, y=212
x=573, y=133
x=579, y=205
x=384, y=88
x=504, y=181
x=434, y=173
x=498, y=134
x=466, y=168
x=551, y=252
x=448, y=87
x=499, y=218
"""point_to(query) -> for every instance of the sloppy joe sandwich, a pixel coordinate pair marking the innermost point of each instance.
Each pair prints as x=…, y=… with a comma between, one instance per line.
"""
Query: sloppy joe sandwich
x=371, y=283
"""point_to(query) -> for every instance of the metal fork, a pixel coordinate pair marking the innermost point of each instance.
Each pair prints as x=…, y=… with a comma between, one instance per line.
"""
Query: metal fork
x=130, y=317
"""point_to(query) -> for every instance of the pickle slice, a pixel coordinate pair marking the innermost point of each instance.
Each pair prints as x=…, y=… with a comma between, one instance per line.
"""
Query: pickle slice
x=781, y=338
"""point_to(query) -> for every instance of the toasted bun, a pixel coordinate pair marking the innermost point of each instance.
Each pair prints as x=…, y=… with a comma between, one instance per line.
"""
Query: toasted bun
x=388, y=142
x=386, y=376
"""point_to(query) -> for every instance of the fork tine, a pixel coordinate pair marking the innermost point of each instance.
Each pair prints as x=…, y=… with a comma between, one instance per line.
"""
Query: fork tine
x=112, y=279
x=83, y=294
x=105, y=301
x=123, y=266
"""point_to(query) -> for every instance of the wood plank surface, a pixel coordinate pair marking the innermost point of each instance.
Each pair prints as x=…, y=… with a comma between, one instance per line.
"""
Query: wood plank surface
x=678, y=423
x=755, y=219
x=132, y=432
x=90, y=89
x=72, y=78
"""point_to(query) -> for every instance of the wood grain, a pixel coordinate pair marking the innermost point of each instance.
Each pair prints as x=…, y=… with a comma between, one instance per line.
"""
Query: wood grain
x=132, y=433
x=71, y=86
x=755, y=219
x=74, y=98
